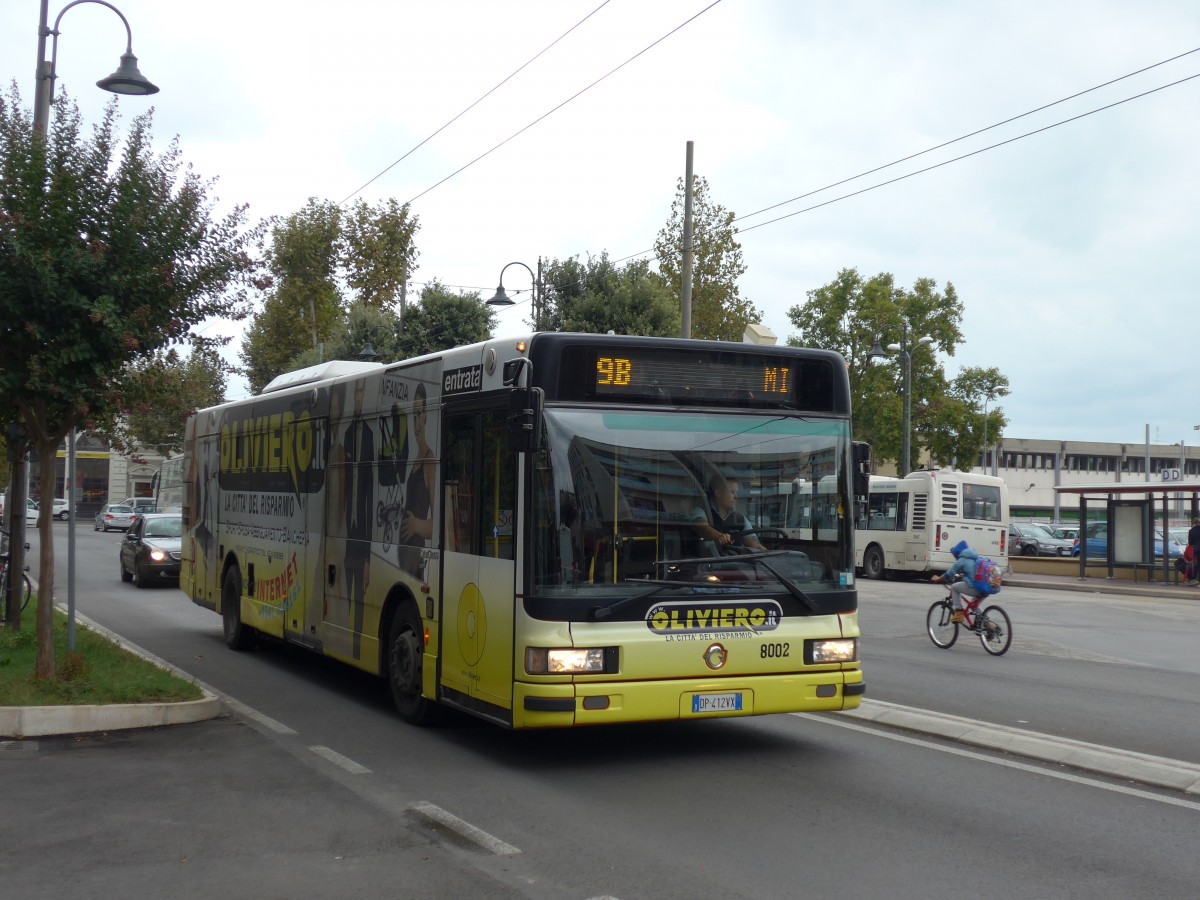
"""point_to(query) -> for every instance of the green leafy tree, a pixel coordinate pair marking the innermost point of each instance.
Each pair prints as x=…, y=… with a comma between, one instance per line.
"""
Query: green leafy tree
x=108, y=253
x=597, y=297
x=443, y=320
x=378, y=251
x=322, y=262
x=161, y=392
x=850, y=313
x=303, y=306
x=718, y=310
x=363, y=325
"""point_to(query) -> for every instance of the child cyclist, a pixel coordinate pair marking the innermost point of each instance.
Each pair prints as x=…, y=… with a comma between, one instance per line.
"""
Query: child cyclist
x=965, y=561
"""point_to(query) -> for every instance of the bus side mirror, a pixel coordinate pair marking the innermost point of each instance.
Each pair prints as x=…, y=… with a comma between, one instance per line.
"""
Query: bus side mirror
x=525, y=419
x=862, y=468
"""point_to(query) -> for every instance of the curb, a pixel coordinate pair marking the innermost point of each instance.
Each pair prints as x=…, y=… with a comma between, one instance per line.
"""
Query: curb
x=18, y=722
x=1140, y=767
x=1102, y=586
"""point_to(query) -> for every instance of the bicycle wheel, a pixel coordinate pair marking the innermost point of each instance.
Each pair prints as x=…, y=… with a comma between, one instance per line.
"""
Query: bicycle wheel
x=942, y=631
x=26, y=590
x=995, y=630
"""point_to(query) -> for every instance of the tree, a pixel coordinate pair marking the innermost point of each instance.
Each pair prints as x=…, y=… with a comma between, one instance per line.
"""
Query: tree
x=161, y=392
x=850, y=313
x=361, y=323
x=597, y=297
x=443, y=320
x=378, y=253
x=322, y=262
x=107, y=255
x=302, y=306
x=718, y=312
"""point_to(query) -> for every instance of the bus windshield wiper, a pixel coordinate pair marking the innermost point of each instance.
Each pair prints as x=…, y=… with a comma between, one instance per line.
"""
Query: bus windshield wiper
x=805, y=600
x=656, y=587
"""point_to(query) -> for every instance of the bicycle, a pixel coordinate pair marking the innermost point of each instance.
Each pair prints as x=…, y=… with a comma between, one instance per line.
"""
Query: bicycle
x=28, y=591
x=990, y=623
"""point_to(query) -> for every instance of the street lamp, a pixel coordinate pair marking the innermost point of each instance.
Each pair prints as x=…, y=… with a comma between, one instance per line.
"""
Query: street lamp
x=125, y=80
x=502, y=299
x=987, y=398
x=905, y=351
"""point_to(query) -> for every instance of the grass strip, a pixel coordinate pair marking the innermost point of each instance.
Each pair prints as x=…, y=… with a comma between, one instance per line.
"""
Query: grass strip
x=97, y=672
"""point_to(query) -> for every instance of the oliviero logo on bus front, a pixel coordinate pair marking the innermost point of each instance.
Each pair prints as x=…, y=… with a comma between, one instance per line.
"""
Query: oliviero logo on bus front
x=687, y=617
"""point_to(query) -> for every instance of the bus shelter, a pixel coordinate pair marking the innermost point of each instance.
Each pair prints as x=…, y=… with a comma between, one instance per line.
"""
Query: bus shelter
x=1130, y=511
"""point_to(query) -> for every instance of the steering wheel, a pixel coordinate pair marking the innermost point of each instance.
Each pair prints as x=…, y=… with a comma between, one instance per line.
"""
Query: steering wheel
x=740, y=549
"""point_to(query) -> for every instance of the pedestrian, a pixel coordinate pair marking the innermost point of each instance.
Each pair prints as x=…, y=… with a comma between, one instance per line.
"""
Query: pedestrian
x=1194, y=543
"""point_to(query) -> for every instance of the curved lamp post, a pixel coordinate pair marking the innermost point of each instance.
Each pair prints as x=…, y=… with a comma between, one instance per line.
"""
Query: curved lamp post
x=502, y=299
x=905, y=350
x=125, y=80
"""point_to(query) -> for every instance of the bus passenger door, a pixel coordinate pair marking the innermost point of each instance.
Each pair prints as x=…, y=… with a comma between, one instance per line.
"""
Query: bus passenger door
x=478, y=579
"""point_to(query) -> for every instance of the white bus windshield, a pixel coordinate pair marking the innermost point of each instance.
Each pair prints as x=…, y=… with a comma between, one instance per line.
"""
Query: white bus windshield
x=623, y=496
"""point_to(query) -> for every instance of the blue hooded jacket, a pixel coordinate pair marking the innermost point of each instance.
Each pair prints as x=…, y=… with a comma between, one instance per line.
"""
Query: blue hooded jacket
x=965, y=560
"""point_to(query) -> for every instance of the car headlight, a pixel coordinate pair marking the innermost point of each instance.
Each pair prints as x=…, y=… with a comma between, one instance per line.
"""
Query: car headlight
x=157, y=555
x=832, y=650
x=570, y=660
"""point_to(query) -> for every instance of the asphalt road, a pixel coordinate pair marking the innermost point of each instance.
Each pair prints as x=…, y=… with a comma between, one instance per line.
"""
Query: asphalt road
x=310, y=784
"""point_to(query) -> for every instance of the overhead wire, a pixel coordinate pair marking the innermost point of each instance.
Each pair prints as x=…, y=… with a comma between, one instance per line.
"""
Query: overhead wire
x=971, y=134
x=979, y=131
x=555, y=109
x=483, y=97
x=972, y=153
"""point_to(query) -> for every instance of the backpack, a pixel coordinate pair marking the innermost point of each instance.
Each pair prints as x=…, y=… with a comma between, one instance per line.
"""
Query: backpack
x=986, y=579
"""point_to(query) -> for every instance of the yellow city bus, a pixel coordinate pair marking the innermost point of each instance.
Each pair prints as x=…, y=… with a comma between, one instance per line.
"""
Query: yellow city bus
x=515, y=528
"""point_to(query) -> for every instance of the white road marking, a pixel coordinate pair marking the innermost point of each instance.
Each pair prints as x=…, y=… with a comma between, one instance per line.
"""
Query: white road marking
x=343, y=762
x=1009, y=763
x=466, y=830
x=266, y=721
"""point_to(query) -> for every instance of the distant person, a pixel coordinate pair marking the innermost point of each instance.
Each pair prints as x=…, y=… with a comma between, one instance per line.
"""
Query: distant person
x=1194, y=543
x=722, y=522
x=965, y=560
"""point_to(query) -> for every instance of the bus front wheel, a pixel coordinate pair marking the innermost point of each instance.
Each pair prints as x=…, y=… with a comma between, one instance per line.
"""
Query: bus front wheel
x=406, y=648
x=238, y=635
x=873, y=562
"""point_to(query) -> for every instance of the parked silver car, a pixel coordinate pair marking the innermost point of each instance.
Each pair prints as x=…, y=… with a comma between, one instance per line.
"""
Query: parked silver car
x=114, y=515
x=1029, y=539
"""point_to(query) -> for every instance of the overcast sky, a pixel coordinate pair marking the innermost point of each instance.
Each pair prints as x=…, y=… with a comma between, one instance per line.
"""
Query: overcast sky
x=1074, y=251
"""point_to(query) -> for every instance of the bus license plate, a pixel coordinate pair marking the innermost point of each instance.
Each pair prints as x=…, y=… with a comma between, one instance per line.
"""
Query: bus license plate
x=709, y=703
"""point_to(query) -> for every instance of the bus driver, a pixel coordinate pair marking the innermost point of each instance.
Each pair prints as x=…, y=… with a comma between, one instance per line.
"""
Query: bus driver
x=723, y=518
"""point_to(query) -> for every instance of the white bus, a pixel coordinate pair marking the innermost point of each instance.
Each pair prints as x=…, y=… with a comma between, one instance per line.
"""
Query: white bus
x=909, y=524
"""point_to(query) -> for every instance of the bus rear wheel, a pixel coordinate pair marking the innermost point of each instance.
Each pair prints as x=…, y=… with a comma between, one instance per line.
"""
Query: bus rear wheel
x=406, y=648
x=238, y=635
x=873, y=562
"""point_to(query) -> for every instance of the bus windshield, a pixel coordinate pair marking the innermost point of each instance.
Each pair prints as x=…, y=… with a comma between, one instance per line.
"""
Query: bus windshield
x=627, y=496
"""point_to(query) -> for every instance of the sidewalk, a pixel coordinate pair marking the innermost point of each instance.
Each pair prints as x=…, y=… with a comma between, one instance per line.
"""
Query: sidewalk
x=1101, y=584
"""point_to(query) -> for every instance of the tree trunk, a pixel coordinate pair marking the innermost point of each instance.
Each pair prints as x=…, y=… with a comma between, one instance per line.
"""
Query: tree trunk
x=48, y=456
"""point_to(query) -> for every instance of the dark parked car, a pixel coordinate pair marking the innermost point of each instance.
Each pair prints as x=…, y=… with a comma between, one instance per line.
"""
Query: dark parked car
x=1025, y=539
x=151, y=549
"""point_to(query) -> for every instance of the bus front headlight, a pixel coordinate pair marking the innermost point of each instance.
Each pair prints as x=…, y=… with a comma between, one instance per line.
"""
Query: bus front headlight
x=565, y=660
x=832, y=650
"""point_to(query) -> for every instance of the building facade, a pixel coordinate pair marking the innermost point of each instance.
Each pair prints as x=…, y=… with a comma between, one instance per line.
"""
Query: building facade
x=1032, y=469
